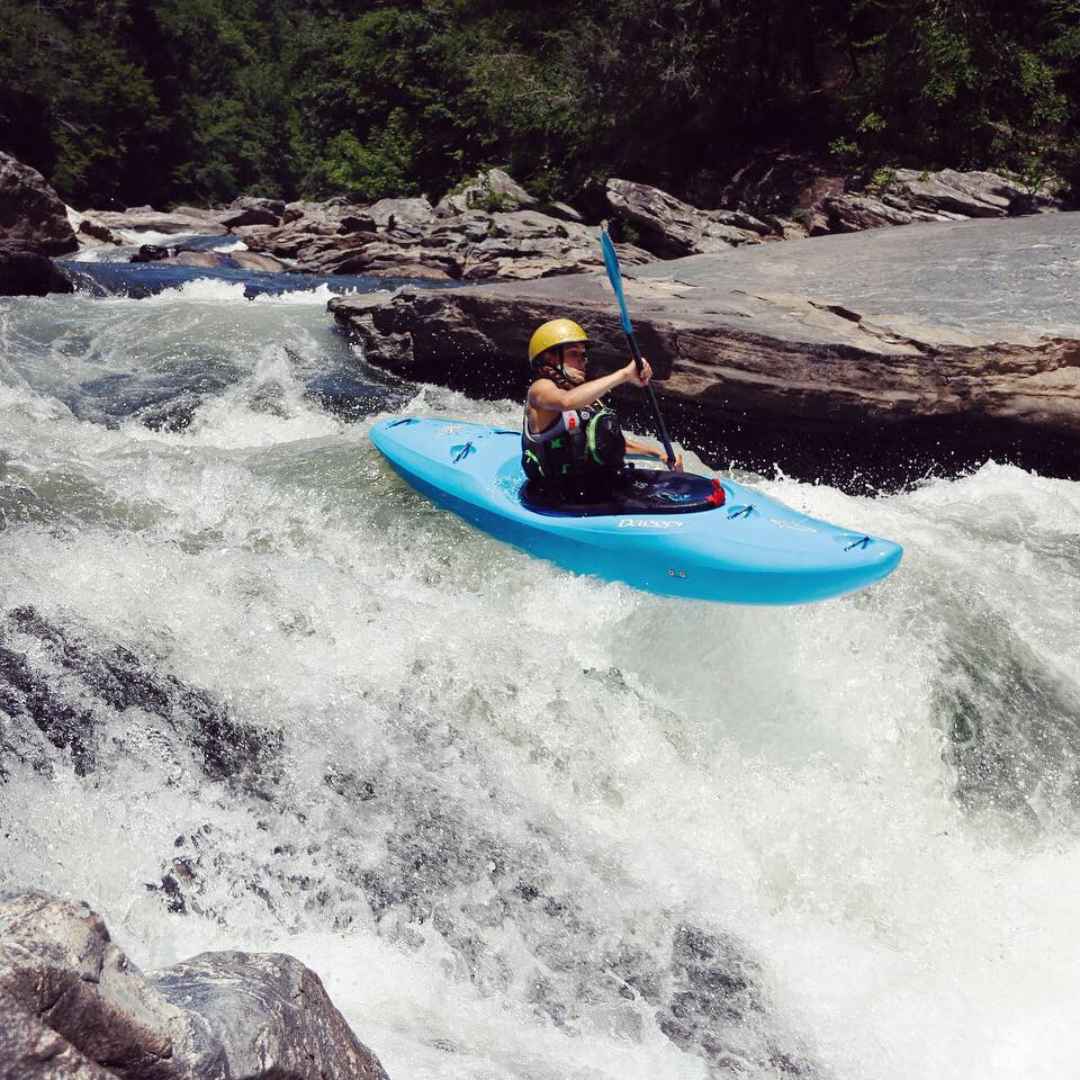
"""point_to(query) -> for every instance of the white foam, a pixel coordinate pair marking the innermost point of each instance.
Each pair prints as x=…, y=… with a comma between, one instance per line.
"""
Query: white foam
x=780, y=774
x=138, y=237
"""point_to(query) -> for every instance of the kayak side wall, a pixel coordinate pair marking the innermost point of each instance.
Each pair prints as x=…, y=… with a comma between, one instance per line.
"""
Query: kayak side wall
x=648, y=569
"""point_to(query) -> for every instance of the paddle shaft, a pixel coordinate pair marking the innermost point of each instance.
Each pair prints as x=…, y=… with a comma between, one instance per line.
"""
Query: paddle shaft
x=664, y=437
x=614, y=272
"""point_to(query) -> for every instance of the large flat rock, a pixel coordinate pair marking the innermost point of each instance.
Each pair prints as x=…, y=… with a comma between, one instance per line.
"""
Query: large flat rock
x=875, y=356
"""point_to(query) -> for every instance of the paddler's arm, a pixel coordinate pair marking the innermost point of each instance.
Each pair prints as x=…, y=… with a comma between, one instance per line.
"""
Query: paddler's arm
x=545, y=395
x=635, y=446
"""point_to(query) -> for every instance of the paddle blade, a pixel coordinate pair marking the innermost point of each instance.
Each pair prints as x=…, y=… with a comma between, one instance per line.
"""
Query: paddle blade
x=611, y=261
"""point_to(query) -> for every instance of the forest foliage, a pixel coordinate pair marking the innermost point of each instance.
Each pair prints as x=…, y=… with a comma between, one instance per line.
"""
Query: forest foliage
x=121, y=102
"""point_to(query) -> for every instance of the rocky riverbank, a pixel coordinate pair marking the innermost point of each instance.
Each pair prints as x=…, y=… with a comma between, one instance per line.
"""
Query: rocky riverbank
x=863, y=359
x=491, y=229
x=73, y=1005
x=494, y=230
x=867, y=358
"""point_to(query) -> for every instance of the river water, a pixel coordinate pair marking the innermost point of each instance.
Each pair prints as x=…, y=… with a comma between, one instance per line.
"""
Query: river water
x=256, y=693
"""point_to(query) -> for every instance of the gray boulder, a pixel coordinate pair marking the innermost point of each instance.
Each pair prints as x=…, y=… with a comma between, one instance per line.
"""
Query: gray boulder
x=671, y=228
x=271, y=1015
x=92, y=233
x=973, y=194
x=249, y=215
x=493, y=190
x=562, y=210
x=185, y=220
x=256, y=202
x=409, y=217
x=73, y=1006
x=32, y=215
x=853, y=213
x=254, y=260
x=909, y=196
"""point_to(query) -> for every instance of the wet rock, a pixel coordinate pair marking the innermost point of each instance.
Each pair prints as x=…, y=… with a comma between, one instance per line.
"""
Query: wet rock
x=271, y=1015
x=174, y=415
x=96, y=231
x=149, y=253
x=26, y=693
x=73, y=1005
x=862, y=359
x=717, y=994
x=209, y=260
x=30, y=273
x=102, y=675
x=670, y=228
x=255, y=260
x=32, y=216
x=351, y=398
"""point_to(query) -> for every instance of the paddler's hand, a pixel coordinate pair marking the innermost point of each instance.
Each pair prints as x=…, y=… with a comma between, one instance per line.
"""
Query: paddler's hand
x=663, y=459
x=630, y=373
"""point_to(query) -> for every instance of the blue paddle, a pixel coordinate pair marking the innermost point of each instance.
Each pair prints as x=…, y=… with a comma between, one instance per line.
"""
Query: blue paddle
x=611, y=261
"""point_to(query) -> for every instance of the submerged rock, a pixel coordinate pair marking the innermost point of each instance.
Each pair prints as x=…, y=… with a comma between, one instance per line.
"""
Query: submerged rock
x=101, y=676
x=861, y=359
x=73, y=1005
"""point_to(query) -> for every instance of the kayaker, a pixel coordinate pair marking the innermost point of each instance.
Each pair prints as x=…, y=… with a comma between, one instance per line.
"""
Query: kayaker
x=571, y=442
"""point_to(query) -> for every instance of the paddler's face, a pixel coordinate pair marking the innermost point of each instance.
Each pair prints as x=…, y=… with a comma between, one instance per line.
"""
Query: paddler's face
x=574, y=361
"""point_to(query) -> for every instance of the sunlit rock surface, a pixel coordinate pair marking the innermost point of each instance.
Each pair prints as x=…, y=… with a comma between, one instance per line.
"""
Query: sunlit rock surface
x=73, y=1005
x=32, y=217
x=871, y=357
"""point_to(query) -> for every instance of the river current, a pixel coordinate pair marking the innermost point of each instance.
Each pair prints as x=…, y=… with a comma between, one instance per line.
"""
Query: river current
x=257, y=693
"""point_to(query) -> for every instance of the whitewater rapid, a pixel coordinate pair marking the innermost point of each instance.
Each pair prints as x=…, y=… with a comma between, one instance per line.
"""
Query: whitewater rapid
x=524, y=824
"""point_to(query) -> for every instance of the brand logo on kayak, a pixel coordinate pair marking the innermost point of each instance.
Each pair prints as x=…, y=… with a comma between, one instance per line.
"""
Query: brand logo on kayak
x=781, y=524
x=649, y=523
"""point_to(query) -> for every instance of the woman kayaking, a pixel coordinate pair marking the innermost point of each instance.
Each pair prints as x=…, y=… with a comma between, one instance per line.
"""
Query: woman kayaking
x=571, y=443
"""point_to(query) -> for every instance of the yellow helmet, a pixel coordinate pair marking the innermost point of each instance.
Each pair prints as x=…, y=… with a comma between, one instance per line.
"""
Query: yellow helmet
x=556, y=332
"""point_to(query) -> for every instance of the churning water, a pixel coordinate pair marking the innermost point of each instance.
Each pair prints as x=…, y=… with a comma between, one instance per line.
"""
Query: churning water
x=257, y=693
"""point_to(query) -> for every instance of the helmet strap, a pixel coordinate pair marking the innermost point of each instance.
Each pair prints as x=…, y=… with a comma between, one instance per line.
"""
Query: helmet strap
x=556, y=373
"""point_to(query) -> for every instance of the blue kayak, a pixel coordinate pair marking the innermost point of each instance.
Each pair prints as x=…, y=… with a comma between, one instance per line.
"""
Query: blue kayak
x=686, y=536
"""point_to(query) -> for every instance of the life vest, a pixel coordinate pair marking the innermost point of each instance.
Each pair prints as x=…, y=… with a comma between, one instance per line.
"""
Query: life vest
x=581, y=443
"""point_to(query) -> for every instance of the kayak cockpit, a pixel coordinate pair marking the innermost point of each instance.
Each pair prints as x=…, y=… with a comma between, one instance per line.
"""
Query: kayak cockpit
x=637, y=491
